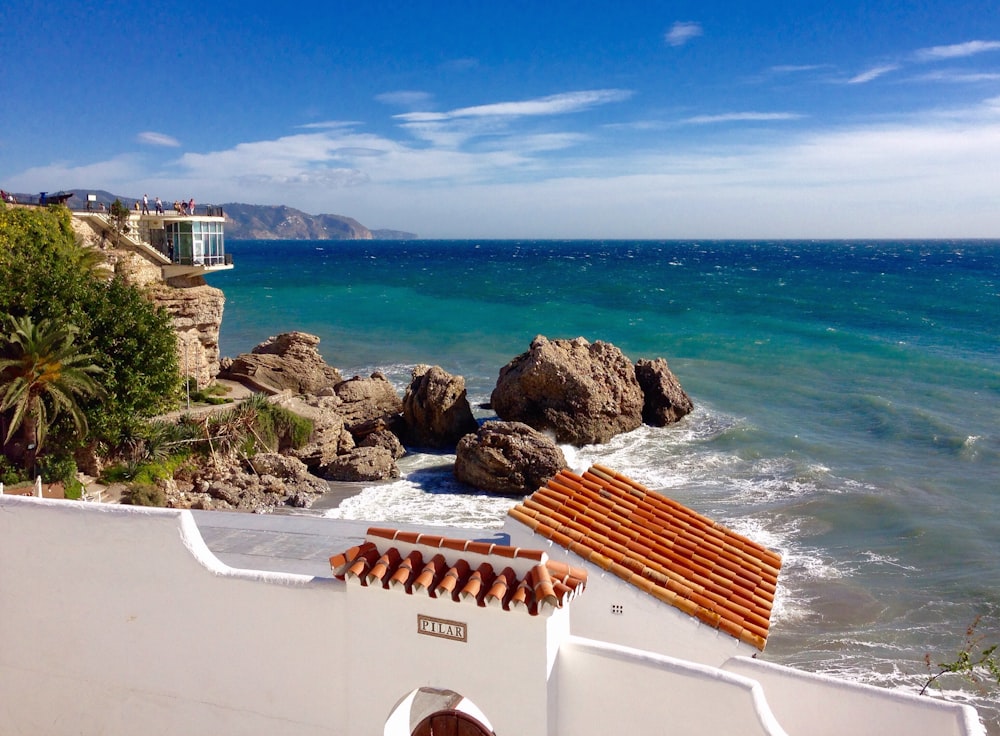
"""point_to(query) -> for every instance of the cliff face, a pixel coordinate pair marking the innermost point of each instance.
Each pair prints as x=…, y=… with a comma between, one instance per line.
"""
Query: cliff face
x=260, y=222
x=197, y=315
x=195, y=307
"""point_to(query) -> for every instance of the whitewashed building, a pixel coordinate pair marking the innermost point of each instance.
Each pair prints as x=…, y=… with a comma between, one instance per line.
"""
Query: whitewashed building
x=612, y=609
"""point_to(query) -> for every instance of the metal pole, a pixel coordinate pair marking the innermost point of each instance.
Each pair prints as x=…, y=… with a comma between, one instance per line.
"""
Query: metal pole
x=187, y=375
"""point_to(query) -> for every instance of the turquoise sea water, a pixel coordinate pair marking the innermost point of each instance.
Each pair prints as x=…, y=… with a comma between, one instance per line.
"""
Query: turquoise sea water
x=847, y=403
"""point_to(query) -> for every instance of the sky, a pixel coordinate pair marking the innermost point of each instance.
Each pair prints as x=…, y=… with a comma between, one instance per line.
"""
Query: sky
x=521, y=120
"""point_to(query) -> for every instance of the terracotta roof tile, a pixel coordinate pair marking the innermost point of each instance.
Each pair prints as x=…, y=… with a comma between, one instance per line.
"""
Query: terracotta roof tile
x=461, y=570
x=661, y=547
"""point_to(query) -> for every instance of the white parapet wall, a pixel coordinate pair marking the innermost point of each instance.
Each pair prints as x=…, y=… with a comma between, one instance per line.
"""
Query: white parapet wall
x=606, y=689
x=118, y=620
x=861, y=710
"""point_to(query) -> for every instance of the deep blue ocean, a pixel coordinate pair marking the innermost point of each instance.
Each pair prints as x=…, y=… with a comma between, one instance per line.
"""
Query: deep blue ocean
x=847, y=404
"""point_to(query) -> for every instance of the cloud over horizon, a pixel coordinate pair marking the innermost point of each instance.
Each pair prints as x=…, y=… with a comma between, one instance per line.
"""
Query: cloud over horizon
x=681, y=32
x=158, y=139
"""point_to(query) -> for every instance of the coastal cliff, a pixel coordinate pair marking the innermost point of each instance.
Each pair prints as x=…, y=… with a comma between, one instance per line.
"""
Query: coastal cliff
x=195, y=307
x=262, y=222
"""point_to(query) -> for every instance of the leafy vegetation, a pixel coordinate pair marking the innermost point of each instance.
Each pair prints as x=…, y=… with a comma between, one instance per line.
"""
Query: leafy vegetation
x=974, y=663
x=43, y=373
x=46, y=277
x=118, y=217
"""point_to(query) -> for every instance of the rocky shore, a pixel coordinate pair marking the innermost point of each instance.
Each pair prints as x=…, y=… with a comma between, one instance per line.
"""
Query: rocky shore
x=556, y=392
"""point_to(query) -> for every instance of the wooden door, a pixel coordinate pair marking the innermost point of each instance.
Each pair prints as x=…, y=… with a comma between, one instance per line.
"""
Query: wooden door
x=450, y=723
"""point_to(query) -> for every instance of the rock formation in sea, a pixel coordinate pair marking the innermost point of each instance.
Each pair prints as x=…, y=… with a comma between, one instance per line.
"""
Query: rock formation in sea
x=436, y=411
x=583, y=392
x=508, y=458
x=289, y=361
x=665, y=402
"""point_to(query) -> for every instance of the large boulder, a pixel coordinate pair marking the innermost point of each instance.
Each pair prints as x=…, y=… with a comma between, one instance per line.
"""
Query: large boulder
x=289, y=361
x=585, y=393
x=509, y=458
x=368, y=404
x=362, y=464
x=330, y=436
x=436, y=411
x=385, y=439
x=665, y=402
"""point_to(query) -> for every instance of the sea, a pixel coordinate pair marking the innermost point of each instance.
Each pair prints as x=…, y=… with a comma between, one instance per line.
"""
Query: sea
x=847, y=406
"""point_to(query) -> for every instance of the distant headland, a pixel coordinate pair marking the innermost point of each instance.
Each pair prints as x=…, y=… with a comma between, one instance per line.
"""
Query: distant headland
x=256, y=221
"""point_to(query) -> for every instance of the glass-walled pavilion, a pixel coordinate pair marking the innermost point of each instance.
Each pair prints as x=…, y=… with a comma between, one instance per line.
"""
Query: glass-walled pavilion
x=193, y=242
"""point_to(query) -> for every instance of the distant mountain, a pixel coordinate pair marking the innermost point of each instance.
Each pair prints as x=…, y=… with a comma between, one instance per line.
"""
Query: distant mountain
x=268, y=222
x=393, y=235
x=254, y=221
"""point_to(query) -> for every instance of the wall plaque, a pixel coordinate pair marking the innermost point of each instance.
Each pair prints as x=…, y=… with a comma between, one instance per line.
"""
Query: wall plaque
x=455, y=630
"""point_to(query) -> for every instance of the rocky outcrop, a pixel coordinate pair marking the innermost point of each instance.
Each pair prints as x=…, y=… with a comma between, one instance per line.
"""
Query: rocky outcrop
x=436, y=411
x=509, y=458
x=197, y=316
x=664, y=401
x=355, y=414
x=386, y=440
x=362, y=464
x=267, y=482
x=367, y=404
x=585, y=393
x=289, y=361
x=330, y=437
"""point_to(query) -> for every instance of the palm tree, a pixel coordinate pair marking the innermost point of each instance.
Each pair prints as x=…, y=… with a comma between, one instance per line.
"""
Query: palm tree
x=43, y=373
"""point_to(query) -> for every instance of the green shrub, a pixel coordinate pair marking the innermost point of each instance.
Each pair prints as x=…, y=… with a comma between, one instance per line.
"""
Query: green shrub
x=57, y=469
x=10, y=474
x=145, y=494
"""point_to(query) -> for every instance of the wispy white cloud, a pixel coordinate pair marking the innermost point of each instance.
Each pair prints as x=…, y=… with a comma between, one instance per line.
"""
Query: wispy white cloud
x=152, y=138
x=330, y=125
x=559, y=104
x=737, y=117
x=681, y=32
x=795, y=68
x=404, y=98
x=958, y=77
x=461, y=65
x=926, y=175
x=873, y=73
x=956, y=50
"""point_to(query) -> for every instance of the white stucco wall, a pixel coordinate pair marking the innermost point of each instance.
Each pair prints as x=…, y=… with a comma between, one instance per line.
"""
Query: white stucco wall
x=861, y=710
x=119, y=621
x=502, y=668
x=110, y=625
x=643, y=622
x=610, y=690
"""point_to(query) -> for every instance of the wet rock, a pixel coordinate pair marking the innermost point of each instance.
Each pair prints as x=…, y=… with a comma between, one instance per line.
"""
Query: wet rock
x=664, y=401
x=386, y=440
x=366, y=402
x=583, y=392
x=362, y=464
x=436, y=411
x=509, y=458
x=289, y=361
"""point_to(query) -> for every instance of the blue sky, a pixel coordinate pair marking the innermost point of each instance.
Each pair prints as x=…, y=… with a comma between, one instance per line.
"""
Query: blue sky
x=549, y=120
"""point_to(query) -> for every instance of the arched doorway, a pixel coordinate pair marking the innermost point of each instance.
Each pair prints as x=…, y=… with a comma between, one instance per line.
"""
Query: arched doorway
x=437, y=711
x=451, y=723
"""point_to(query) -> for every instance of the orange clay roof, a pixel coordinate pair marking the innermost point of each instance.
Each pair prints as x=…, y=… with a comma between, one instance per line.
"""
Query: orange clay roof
x=676, y=555
x=463, y=570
